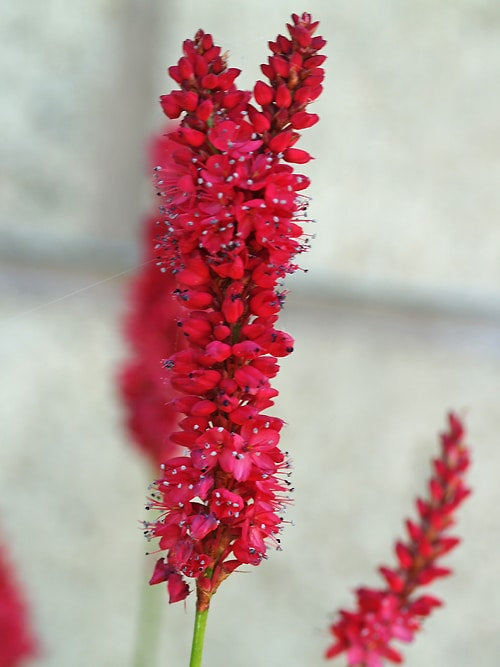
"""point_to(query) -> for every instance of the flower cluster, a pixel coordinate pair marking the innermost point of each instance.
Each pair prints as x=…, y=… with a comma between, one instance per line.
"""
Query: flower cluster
x=395, y=611
x=230, y=210
x=17, y=643
x=152, y=334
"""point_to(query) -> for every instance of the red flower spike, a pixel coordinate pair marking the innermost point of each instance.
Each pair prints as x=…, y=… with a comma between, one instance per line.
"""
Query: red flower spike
x=394, y=612
x=229, y=227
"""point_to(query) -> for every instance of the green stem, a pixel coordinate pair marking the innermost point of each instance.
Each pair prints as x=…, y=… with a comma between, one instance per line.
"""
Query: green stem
x=200, y=622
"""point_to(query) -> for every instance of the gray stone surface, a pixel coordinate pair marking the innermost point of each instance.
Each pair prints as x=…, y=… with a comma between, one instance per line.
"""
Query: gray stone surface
x=405, y=191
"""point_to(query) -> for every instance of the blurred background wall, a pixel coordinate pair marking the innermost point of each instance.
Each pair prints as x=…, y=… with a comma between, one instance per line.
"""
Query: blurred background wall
x=397, y=320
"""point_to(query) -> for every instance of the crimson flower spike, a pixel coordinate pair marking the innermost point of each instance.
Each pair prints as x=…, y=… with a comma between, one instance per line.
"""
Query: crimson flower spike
x=396, y=611
x=229, y=227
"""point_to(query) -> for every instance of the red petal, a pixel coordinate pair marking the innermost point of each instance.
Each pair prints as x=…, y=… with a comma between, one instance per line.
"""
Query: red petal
x=177, y=588
x=263, y=93
x=170, y=107
x=296, y=155
x=192, y=137
x=395, y=581
x=281, y=141
x=283, y=96
x=404, y=555
x=161, y=572
x=302, y=120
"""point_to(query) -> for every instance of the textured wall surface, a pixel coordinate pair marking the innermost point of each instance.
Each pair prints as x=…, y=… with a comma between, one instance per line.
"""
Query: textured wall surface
x=397, y=321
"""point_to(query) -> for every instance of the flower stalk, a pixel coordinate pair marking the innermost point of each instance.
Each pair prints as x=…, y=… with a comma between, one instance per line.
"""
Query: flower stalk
x=200, y=623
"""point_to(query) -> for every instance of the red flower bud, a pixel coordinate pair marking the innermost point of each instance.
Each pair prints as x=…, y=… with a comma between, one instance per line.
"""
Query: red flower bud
x=263, y=93
x=302, y=120
x=170, y=107
x=296, y=155
x=279, y=65
x=283, y=97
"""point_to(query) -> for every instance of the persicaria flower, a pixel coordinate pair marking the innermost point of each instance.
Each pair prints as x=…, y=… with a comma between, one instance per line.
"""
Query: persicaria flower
x=396, y=611
x=229, y=228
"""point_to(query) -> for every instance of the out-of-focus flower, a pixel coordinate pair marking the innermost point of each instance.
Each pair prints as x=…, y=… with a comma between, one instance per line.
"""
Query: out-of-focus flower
x=230, y=216
x=152, y=334
x=17, y=641
x=396, y=610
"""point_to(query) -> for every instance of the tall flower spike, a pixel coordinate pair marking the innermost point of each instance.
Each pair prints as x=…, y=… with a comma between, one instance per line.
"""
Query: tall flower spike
x=228, y=231
x=396, y=610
